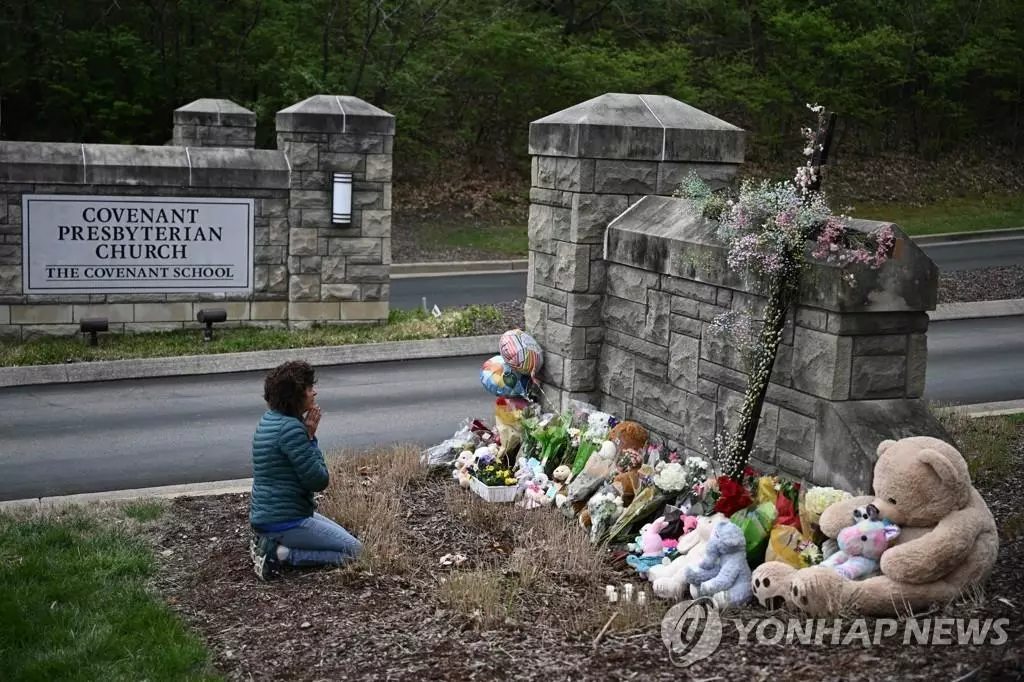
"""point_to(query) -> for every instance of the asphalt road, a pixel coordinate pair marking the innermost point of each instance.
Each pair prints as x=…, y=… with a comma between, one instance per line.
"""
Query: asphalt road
x=460, y=290
x=59, y=440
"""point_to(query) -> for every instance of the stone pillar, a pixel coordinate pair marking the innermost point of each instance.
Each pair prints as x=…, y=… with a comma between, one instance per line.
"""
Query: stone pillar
x=214, y=123
x=338, y=273
x=591, y=162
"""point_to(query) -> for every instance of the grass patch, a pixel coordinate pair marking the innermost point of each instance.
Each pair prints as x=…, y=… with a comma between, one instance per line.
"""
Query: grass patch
x=75, y=605
x=403, y=325
x=958, y=214
x=143, y=511
x=365, y=496
x=985, y=442
x=509, y=239
x=514, y=560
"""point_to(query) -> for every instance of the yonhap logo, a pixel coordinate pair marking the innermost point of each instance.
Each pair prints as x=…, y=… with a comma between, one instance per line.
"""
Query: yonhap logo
x=691, y=631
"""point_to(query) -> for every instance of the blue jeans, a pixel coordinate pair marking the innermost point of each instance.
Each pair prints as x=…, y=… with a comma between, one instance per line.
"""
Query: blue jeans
x=318, y=540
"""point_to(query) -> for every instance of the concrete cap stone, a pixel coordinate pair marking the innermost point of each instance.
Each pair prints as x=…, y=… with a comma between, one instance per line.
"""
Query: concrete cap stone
x=116, y=164
x=637, y=127
x=669, y=236
x=41, y=162
x=214, y=112
x=238, y=168
x=335, y=114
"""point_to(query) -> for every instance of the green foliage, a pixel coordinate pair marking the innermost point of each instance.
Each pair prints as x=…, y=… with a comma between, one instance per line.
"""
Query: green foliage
x=75, y=606
x=466, y=78
x=403, y=325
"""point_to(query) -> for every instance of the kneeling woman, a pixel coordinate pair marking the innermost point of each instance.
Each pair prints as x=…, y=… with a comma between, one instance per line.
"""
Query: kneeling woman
x=288, y=467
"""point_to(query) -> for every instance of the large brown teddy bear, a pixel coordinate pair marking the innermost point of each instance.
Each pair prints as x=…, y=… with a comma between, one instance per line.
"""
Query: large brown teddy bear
x=948, y=540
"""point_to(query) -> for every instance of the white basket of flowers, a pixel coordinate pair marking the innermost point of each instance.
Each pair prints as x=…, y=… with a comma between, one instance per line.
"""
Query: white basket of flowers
x=492, y=481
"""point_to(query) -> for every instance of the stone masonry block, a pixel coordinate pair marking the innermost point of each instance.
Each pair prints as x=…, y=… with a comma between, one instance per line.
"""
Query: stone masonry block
x=579, y=374
x=686, y=325
x=698, y=291
x=163, y=312
x=544, y=172
x=5, y=314
x=630, y=283
x=359, y=251
x=616, y=371
x=378, y=167
x=333, y=269
x=656, y=322
x=547, y=225
x=572, y=268
x=822, y=364
x=583, y=310
x=367, y=273
x=796, y=434
x=551, y=197
x=569, y=342
x=332, y=162
x=683, y=358
x=659, y=398
x=376, y=223
x=591, y=214
x=917, y=364
x=305, y=198
x=313, y=311
x=642, y=348
x=304, y=288
x=303, y=156
x=269, y=310
x=363, y=310
x=356, y=144
x=889, y=344
x=878, y=376
x=626, y=177
x=42, y=314
x=302, y=242
x=624, y=315
x=117, y=312
x=340, y=292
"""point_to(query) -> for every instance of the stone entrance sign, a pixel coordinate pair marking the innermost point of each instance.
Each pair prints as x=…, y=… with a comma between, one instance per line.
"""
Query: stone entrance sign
x=108, y=244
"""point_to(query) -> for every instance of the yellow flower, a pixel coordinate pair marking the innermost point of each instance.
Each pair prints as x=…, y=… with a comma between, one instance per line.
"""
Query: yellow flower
x=490, y=467
x=510, y=481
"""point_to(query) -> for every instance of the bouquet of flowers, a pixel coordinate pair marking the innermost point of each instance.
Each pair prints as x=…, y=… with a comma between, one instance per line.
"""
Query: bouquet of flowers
x=677, y=476
x=552, y=436
x=812, y=503
x=595, y=433
x=488, y=471
x=604, y=509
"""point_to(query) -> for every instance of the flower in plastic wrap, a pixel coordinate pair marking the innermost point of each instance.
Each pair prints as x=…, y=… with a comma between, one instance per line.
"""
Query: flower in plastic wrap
x=817, y=500
x=670, y=477
x=604, y=508
x=629, y=460
x=598, y=426
x=810, y=555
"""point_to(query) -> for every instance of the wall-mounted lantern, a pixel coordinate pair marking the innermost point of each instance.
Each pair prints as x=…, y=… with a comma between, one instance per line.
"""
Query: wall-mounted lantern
x=341, y=204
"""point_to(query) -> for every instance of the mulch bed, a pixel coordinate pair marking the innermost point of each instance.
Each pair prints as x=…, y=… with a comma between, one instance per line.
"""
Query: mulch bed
x=985, y=284
x=350, y=624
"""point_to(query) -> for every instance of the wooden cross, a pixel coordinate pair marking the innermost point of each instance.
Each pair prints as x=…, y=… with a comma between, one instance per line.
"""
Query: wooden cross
x=822, y=145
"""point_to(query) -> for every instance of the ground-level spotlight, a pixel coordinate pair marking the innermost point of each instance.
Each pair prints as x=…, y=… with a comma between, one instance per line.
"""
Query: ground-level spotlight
x=93, y=326
x=209, y=316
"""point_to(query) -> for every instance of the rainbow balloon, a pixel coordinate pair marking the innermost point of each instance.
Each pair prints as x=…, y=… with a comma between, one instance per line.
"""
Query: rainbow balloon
x=501, y=380
x=521, y=352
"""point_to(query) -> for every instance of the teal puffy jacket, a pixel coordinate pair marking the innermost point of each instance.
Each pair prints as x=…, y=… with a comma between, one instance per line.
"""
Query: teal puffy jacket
x=287, y=468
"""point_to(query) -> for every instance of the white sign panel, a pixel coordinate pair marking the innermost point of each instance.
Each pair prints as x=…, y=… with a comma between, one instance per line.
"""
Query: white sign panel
x=94, y=245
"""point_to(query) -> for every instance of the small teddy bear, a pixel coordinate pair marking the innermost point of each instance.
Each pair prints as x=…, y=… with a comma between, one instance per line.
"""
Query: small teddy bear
x=723, y=574
x=860, y=548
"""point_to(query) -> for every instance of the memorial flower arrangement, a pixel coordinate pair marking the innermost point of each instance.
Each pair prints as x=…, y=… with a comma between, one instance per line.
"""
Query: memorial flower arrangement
x=767, y=228
x=490, y=472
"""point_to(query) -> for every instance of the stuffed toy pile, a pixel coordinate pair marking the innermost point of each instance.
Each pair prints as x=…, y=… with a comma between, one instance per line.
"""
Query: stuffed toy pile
x=947, y=541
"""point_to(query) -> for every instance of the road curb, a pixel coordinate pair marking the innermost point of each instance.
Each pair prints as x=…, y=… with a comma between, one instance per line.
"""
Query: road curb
x=981, y=235
x=231, y=487
x=454, y=268
x=997, y=409
x=223, y=363
x=971, y=310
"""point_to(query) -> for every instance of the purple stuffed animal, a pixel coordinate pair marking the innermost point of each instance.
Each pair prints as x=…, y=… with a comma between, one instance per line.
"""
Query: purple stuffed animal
x=861, y=547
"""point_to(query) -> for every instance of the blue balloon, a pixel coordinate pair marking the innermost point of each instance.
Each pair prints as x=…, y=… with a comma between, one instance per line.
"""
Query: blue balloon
x=501, y=380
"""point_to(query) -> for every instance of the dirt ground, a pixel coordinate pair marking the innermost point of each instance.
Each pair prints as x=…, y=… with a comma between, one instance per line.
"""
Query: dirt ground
x=526, y=603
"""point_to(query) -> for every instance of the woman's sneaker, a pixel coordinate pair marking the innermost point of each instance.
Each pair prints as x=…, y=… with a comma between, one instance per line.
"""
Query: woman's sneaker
x=264, y=556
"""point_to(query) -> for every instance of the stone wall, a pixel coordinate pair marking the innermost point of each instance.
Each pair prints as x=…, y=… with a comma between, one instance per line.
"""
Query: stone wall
x=305, y=269
x=849, y=373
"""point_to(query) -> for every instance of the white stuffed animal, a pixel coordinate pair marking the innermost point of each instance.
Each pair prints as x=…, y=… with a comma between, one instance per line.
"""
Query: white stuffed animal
x=669, y=582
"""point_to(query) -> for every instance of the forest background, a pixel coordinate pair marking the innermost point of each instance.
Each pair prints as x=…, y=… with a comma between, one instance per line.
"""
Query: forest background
x=928, y=92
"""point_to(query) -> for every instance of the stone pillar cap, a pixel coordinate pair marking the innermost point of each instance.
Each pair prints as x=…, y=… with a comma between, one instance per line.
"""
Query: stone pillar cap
x=335, y=114
x=638, y=128
x=218, y=112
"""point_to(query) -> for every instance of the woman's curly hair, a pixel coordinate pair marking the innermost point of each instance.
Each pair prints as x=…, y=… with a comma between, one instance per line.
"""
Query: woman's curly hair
x=285, y=387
